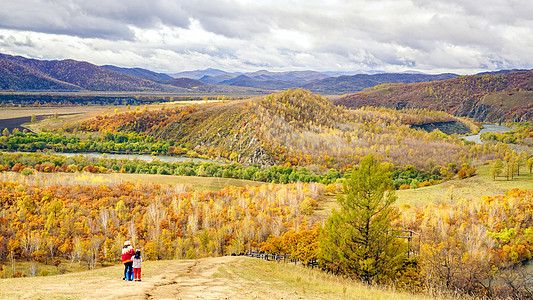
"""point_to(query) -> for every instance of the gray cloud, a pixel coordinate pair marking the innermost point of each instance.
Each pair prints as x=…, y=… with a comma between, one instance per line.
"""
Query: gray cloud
x=169, y=35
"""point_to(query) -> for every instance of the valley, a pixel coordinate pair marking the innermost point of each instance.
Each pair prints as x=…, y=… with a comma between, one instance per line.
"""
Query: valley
x=192, y=177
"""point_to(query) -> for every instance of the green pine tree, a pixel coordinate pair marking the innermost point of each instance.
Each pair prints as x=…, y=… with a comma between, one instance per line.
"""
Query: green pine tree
x=358, y=240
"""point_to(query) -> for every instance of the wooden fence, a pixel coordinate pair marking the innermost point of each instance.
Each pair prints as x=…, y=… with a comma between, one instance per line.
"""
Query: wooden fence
x=278, y=257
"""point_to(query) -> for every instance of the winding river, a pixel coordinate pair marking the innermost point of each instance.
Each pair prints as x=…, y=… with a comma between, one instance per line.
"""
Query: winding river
x=148, y=158
x=486, y=128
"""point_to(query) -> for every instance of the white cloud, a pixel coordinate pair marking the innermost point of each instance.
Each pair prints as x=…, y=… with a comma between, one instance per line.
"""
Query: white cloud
x=240, y=35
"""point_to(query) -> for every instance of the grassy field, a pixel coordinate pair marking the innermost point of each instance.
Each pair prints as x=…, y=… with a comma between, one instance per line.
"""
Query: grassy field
x=470, y=189
x=467, y=189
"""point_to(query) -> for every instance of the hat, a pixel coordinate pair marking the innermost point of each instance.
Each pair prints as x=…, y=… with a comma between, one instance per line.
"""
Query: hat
x=127, y=243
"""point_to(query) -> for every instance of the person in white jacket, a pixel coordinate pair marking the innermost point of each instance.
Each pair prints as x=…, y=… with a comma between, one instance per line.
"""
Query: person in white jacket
x=137, y=259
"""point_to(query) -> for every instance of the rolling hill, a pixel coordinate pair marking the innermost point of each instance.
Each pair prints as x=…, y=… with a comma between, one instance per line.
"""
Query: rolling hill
x=296, y=128
x=68, y=75
x=506, y=96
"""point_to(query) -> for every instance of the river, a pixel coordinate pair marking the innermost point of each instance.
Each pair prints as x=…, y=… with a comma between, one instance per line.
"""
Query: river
x=486, y=128
x=148, y=158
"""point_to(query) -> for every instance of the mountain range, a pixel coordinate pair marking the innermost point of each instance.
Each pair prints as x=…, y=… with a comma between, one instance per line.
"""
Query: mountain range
x=25, y=74
x=18, y=73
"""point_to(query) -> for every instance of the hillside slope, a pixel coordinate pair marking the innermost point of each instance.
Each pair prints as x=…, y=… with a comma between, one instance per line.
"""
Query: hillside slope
x=71, y=75
x=296, y=128
x=228, y=277
x=18, y=77
x=488, y=98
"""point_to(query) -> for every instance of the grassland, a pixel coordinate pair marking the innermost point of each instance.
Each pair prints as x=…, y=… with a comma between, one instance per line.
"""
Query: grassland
x=469, y=189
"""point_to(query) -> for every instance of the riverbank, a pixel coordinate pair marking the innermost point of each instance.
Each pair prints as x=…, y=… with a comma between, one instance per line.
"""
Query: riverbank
x=486, y=128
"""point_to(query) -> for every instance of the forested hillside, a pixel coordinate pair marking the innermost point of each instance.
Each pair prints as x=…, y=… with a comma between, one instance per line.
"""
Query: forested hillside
x=490, y=98
x=298, y=128
x=140, y=73
x=69, y=75
x=17, y=77
x=355, y=83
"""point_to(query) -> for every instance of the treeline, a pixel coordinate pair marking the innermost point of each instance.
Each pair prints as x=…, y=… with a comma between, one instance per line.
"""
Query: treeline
x=46, y=100
x=18, y=162
x=109, y=143
x=402, y=178
x=511, y=165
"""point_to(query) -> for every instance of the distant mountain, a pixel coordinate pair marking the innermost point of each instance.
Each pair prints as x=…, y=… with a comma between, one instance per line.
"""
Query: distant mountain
x=317, y=82
x=16, y=77
x=274, y=80
x=217, y=79
x=197, y=74
x=139, y=73
x=186, y=83
x=69, y=75
x=485, y=98
x=355, y=83
x=193, y=85
x=295, y=76
x=501, y=72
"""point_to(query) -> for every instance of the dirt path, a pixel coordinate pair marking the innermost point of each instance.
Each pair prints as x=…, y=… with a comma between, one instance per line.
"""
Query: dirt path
x=180, y=279
x=195, y=280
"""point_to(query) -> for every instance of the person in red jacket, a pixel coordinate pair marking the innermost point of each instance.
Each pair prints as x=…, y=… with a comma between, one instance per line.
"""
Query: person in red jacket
x=127, y=254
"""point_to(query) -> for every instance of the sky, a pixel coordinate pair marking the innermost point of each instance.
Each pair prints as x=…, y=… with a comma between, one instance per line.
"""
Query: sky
x=430, y=36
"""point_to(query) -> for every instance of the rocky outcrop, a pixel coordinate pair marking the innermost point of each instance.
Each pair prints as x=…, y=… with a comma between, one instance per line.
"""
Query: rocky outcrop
x=445, y=127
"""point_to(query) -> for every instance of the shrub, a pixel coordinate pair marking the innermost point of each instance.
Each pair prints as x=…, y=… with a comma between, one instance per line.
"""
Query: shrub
x=18, y=275
x=404, y=187
x=425, y=183
x=28, y=171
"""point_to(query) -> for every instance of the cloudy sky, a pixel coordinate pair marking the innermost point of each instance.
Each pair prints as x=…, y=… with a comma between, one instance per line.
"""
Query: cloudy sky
x=433, y=36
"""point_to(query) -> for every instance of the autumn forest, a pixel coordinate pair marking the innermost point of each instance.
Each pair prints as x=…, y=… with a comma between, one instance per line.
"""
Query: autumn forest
x=334, y=184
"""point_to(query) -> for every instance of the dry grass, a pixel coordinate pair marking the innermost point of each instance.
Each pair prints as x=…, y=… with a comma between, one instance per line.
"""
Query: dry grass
x=83, y=178
x=470, y=189
x=467, y=189
x=298, y=282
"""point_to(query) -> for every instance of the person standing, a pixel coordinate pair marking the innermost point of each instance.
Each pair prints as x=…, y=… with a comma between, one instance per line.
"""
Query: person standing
x=127, y=254
x=137, y=259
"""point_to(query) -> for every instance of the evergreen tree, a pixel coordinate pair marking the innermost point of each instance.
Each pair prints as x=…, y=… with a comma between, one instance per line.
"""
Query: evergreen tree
x=358, y=240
